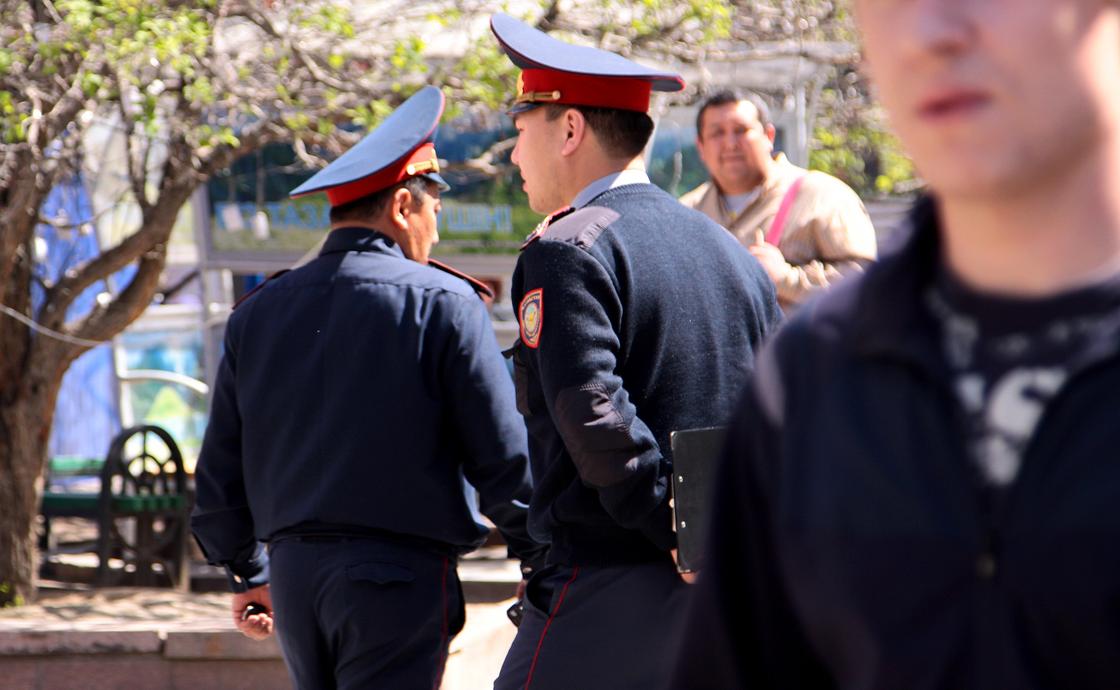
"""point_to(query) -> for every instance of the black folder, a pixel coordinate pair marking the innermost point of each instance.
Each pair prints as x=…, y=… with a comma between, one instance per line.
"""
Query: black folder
x=695, y=454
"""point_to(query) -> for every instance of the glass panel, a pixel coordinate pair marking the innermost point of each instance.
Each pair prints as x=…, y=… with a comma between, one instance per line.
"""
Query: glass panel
x=173, y=406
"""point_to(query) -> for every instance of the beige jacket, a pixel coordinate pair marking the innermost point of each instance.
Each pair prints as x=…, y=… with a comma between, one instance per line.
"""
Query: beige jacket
x=827, y=231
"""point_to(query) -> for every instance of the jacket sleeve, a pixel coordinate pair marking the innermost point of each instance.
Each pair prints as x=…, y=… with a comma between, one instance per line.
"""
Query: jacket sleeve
x=741, y=630
x=481, y=400
x=220, y=520
x=613, y=450
x=837, y=226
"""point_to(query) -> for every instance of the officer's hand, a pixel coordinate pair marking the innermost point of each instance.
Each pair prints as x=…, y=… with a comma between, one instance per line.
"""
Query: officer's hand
x=521, y=589
x=255, y=626
x=690, y=578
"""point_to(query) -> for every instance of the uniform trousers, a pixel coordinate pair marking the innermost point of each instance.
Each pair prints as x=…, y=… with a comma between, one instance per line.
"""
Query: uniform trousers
x=597, y=627
x=364, y=613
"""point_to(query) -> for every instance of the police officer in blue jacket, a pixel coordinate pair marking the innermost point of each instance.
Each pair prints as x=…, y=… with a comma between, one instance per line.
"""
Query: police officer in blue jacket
x=638, y=317
x=356, y=395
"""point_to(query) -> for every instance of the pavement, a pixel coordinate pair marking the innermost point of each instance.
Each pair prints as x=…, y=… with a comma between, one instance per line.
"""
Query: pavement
x=76, y=636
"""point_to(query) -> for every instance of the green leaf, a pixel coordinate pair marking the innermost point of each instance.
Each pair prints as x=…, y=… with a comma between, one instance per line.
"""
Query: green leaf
x=227, y=137
x=91, y=83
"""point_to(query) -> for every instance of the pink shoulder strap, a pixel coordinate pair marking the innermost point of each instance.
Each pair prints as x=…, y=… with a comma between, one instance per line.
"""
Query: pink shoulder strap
x=774, y=235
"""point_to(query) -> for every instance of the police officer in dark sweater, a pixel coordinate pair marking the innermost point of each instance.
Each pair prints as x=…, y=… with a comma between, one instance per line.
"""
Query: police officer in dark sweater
x=638, y=317
x=355, y=395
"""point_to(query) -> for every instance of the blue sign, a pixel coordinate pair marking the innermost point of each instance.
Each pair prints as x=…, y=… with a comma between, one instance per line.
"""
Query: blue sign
x=285, y=215
x=475, y=218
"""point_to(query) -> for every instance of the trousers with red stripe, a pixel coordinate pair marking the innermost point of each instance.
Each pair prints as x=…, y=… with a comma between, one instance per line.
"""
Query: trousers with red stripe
x=597, y=628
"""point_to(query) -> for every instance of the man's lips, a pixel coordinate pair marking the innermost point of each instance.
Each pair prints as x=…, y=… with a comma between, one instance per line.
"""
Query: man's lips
x=952, y=103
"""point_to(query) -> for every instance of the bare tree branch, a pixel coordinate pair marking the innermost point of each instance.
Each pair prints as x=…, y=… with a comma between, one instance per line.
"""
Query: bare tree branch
x=486, y=162
x=262, y=20
x=73, y=99
x=137, y=174
x=547, y=22
x=104, y=322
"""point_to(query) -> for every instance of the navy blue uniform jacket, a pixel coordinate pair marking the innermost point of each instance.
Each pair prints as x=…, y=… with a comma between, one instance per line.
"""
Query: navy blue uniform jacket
x=357, y=391
x=849, y=545
x=650, y=314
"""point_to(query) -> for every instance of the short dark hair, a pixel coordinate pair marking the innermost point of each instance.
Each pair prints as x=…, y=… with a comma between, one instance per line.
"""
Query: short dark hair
x=372, y=205
x=623, y=133
x=725, y=96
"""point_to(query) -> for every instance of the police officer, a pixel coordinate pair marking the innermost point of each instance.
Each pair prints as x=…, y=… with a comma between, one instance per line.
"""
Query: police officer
x=355, y=394
x=637, y=317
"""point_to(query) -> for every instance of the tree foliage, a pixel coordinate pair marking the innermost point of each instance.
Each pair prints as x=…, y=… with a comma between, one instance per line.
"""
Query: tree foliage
x=852, y=142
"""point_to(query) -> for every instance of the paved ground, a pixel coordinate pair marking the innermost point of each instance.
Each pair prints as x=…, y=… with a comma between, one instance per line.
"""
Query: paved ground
x=73, y=627
x=476, y=653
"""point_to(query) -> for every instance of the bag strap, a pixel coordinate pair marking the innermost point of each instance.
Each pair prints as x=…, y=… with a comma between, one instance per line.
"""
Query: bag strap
x=774, y=235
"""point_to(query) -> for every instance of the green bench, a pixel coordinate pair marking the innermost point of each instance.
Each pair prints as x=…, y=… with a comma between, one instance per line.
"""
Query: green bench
x=138, y=496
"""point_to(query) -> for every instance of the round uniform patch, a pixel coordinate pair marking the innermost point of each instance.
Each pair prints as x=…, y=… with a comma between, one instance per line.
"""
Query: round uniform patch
x=532, y=317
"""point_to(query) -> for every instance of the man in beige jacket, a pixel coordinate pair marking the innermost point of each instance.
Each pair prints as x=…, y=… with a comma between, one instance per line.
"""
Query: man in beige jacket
x=807, y=228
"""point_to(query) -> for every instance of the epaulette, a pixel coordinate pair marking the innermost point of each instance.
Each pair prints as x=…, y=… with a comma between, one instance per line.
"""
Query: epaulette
x=260, y=285
x=543, y=225
x=483, y=290
x=582, y=227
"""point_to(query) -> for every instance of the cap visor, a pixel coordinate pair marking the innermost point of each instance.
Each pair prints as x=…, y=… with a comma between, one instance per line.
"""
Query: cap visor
x=439, y=181
x=519, y=108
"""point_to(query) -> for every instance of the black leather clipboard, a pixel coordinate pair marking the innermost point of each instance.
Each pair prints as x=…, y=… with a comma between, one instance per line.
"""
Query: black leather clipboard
x=695, y=454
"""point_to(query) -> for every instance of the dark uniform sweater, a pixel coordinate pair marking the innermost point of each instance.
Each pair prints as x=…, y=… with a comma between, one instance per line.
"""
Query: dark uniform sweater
x=355, y=394
x=648, y=316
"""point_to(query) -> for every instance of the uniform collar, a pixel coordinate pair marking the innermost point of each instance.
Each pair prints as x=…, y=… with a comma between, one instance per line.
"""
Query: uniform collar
x=355, y=239
x=617, y=179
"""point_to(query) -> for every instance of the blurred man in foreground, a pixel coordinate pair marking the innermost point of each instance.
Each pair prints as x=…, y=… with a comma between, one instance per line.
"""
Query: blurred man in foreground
x=920, y=490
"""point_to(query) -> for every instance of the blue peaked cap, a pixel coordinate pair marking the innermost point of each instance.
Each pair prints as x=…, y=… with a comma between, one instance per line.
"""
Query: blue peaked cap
x=399, y=148
x=557, y=72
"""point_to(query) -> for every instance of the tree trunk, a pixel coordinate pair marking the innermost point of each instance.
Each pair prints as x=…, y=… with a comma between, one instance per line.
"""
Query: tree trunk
x=31, y=370
x=23, y=443
x=26, y=412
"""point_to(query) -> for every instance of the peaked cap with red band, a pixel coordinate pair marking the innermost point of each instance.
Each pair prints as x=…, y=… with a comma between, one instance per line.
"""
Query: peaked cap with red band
x=401, y=147
x=556, y=72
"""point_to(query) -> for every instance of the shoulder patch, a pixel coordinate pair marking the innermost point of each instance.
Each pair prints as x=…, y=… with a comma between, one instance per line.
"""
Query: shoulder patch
x=543, y=225
x=531, y=316
x=535, y=234
x=482, y=289
x=582, y=227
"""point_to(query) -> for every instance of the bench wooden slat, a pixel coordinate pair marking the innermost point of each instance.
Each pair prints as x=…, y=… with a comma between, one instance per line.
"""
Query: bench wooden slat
x=146, y=504
x=75, y=466
x=65, y=505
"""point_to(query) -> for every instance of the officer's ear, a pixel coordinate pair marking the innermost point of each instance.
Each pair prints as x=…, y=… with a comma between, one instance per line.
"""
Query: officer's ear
x=401, y=208
x=575, y=131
